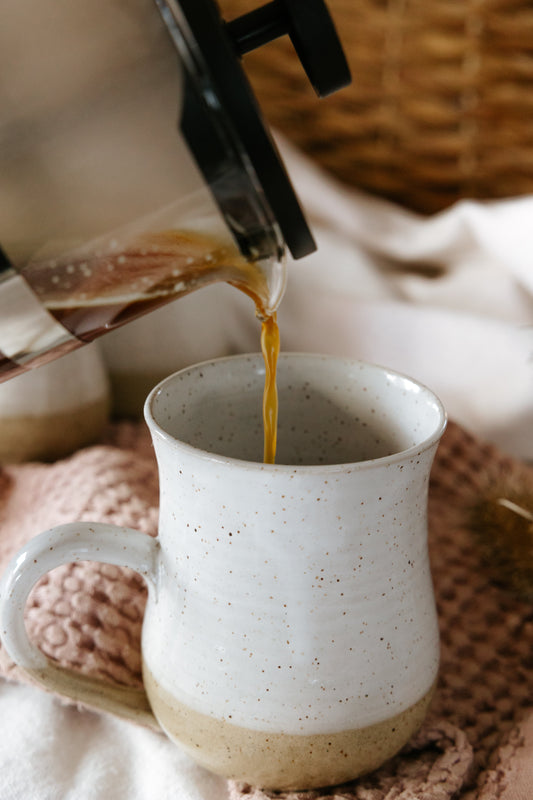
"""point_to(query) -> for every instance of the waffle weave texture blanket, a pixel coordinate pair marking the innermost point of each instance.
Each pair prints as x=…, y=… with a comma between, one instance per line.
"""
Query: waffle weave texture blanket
x=477, y=741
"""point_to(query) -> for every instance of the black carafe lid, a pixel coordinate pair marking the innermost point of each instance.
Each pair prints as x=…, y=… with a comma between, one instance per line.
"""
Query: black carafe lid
x=221, y=120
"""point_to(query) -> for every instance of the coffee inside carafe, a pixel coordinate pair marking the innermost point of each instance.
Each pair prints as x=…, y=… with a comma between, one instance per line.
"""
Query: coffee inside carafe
x=90, y=293
x=95, y=290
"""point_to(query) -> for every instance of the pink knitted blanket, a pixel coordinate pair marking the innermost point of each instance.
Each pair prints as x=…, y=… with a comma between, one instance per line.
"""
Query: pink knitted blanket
x=478, y=739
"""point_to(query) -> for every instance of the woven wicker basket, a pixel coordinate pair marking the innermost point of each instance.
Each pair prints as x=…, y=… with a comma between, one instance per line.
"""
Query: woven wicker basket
x=441, y=104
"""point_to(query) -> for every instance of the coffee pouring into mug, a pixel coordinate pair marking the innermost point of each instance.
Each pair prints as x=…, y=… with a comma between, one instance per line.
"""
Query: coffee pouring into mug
x=135, y=166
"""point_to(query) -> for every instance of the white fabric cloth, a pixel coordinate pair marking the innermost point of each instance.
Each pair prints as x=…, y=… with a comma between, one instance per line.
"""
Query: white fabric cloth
x=368, y=293
x=447, y=299
x=50, y=751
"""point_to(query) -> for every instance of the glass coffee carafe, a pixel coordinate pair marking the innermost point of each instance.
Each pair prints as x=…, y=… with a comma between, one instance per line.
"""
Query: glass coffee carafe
x=134, y=163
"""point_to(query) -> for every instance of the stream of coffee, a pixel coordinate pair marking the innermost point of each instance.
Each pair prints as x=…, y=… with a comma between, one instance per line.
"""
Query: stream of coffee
x=270, y=344
x=93, y=291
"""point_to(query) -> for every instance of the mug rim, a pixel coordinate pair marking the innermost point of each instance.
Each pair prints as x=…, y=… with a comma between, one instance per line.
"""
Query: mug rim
x=206, y=455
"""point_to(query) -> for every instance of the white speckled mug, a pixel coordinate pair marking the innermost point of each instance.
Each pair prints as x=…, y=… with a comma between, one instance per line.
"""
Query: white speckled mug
x=290, y=635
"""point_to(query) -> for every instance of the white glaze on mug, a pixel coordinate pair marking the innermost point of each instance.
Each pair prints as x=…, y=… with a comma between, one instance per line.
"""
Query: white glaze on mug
x=294, y=599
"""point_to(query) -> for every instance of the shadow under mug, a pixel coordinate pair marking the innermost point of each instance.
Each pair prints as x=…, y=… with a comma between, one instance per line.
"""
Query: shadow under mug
x=290, y=634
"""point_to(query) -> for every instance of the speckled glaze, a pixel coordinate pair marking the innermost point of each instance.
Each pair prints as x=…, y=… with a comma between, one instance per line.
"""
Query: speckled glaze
x=300, y=595
x=291, y=606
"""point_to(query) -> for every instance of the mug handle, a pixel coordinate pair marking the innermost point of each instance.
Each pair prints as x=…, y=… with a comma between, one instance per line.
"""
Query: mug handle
x=75, y=541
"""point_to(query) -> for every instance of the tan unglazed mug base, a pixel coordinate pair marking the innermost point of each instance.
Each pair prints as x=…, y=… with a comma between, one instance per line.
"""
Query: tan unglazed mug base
x=281, y=761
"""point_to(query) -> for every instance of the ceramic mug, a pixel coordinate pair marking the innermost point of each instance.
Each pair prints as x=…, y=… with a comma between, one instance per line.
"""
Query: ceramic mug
x=290, y=635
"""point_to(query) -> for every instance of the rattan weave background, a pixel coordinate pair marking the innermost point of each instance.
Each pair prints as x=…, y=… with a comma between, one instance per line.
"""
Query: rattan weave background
x=441, y=104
